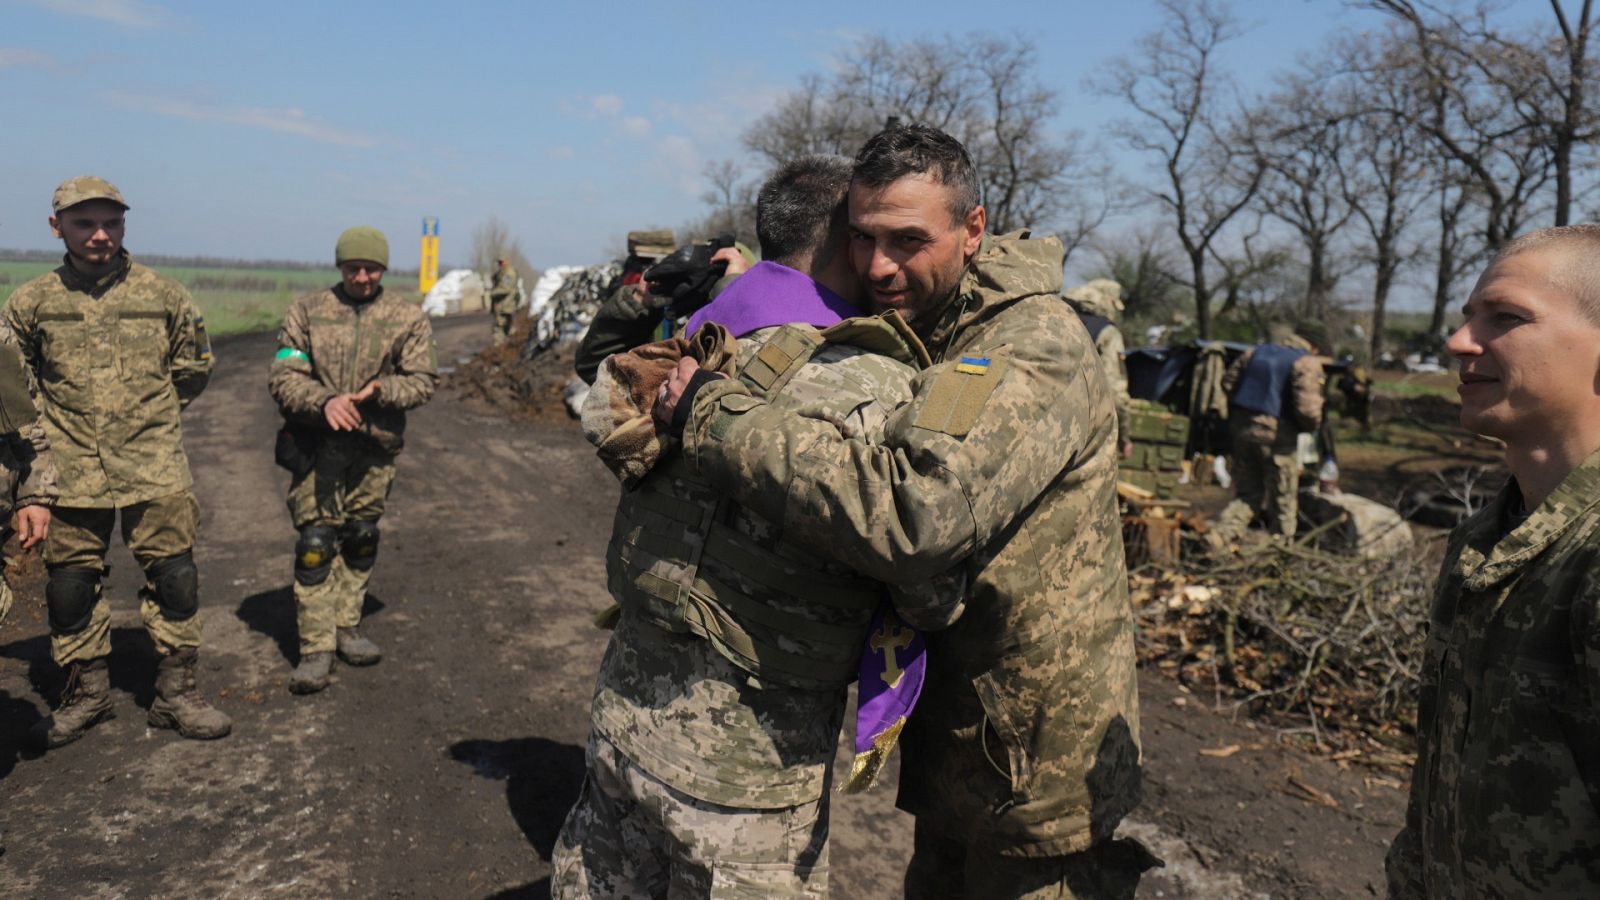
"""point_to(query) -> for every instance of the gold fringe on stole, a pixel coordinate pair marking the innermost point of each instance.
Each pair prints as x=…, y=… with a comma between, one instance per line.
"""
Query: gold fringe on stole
x=864, y=770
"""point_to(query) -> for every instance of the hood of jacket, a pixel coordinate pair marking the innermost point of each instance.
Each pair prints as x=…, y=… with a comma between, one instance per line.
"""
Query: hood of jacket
x=1006, y=268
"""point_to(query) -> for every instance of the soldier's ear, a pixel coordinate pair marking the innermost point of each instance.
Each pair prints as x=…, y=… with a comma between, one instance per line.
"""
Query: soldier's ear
x=55, y=227
x=972, y=228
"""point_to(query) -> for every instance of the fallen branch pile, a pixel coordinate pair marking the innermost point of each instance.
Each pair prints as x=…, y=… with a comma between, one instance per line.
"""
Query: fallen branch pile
x=1327, y=648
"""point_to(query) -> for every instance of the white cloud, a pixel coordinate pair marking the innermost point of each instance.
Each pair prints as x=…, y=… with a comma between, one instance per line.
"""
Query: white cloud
x=128, y=13
x=635, y=127
x=19, y=56
x=606, y=104
x=284, y=121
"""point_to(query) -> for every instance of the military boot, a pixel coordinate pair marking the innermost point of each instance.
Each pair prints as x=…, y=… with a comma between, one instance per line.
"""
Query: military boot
x=356, y=650
x=179, y=705
x=85, y=703
x=312, y=673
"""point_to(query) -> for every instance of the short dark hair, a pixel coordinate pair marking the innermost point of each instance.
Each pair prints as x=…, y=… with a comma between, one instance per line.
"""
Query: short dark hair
x=903, y=151
x=801, y=209
x=1576, y=272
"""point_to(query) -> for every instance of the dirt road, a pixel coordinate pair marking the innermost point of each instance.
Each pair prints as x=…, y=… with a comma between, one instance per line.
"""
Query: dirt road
x=446, y=770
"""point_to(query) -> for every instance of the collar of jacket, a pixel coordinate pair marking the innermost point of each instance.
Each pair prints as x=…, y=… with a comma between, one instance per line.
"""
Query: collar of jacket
x=76, y=280
x=1487, y=559
x=1006, y=268
x=339, y=291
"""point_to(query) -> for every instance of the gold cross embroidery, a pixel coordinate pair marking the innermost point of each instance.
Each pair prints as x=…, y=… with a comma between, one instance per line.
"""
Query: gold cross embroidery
x=887, y=640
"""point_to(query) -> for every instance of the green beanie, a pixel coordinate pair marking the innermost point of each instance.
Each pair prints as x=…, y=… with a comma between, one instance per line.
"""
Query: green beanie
x=362, y=242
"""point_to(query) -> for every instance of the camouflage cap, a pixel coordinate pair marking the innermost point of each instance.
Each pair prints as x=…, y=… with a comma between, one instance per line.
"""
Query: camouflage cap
x=653, y=244
x=85, y=187
x=1100, y=297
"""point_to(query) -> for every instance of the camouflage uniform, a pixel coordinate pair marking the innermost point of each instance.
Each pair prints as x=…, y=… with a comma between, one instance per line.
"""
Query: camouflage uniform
x=1024, y=743
x=116, y=358
x=332, y=345
x=1266, y=471
x=1505, y=795
x=503, y=300
x=1099, y=304
x=714, y=735
x=27, y=468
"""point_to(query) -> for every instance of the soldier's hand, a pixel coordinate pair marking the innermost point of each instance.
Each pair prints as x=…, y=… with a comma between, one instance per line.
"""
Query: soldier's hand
x=32, y=525
x=366, y=393
x=341, y=413
x=672, y=391
x=737, y=264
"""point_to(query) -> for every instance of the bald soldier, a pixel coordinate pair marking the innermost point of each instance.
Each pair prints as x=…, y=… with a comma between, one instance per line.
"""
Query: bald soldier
x=1505, y=795
x=118, y=351
x=352, y=359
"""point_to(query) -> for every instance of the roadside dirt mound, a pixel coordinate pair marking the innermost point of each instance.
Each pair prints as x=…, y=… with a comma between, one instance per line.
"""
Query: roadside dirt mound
x=497, y=380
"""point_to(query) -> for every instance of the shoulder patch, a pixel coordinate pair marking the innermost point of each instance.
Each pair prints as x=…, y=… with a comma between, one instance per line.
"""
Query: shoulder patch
x=958, y=395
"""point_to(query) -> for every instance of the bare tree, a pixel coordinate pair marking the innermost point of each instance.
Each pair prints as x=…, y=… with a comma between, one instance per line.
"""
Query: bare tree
x=1141, y=262
x=732, y=199
x=492, y=241
x=1177, y=92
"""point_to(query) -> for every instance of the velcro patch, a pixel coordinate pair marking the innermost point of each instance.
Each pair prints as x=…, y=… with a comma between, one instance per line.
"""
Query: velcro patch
x=958, y=395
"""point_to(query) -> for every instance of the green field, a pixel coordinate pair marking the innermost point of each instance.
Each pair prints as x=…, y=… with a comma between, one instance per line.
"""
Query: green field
x=234, y=298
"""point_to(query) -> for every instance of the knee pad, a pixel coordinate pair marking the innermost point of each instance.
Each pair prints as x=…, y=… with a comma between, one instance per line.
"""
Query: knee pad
x=70, y=595
x=313, y=554
x=176, y=583
x=358, y=541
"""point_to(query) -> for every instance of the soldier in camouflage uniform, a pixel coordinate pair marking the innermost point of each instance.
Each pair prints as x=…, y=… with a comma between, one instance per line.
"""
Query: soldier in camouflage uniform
x=624, y=320
x=27, y=470
x=1022, y=755
x=1274, y=393
x=351, y=360
x=118, y=352
x=1505, y=795
x=1099, y=304
x=503, y=298
x=722, y=692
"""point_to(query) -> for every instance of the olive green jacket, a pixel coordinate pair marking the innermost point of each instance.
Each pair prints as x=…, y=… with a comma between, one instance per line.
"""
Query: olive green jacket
x=503, y=291
x=1505, y=795
x=330, y=344
x=116, y=360
x=1003, y=465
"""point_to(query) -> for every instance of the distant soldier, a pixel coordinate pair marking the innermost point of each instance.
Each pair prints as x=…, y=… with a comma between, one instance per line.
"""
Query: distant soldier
x=1505, y=794
x=351, y=360
x=118, y=351
x=27, y=470
x=1274, y=393
x=503, y=298
x=1098, y=304
x=624, y=320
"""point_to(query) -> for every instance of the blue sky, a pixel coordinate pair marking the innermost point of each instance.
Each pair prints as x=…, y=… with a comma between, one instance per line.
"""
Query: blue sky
x=261, y=130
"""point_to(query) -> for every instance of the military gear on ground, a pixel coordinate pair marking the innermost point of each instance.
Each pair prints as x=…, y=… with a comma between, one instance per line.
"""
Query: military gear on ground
x=358, y=543
x=363, y=243
x=116, y=358
x=86, y=702
x=179, y=705
x=314, y=553
x=357, y=650
x=1003, y=466
x=1505, y=794
x=83, y=188
x=651, y=244
x=631, y=835
x=175, y=582
x=682, y=282
x=313, y=673
x=155, y=530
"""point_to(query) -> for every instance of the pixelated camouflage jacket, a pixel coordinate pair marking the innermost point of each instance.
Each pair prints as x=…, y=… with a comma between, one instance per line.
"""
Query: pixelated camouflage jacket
x=503, y=290
x=1003, y=464
x=330, y=344
x=1505, y=795
x=674, y=703
x=27, y=467
x=116, y=360
x=1306, y=381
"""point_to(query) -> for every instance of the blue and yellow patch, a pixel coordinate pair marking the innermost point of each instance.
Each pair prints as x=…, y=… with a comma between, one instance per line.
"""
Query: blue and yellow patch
x=973, y=365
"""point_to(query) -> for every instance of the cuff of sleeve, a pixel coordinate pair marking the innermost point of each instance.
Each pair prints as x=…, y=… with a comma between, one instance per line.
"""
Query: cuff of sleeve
x=680, y=414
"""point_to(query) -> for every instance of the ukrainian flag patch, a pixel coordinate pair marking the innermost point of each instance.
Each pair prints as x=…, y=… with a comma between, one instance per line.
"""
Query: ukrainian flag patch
x=973, y=365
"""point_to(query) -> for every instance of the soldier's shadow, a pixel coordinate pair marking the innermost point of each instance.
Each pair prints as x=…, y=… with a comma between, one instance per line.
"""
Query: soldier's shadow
x=272, y=613
x=542, y=781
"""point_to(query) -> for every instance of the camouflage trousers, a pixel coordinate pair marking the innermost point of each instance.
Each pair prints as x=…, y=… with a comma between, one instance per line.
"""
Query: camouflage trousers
x=943, y=868
x=349, y=482
x=631, y=836
x=5, y=600
x=502, y=325
x=154, y=530
x=1266, y=481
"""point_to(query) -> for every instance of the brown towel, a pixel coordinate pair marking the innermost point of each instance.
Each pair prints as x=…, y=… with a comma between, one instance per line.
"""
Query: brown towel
x=616, y=415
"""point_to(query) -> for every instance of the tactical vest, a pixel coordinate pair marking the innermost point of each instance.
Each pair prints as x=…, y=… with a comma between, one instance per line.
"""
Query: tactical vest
x=1095, y=324
x=1262, y=388
x=692, y=561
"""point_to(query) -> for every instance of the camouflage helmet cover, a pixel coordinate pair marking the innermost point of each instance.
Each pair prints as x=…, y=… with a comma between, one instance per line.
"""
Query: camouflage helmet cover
x=84, y=188
x=1100, y=297
x=651, y=244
